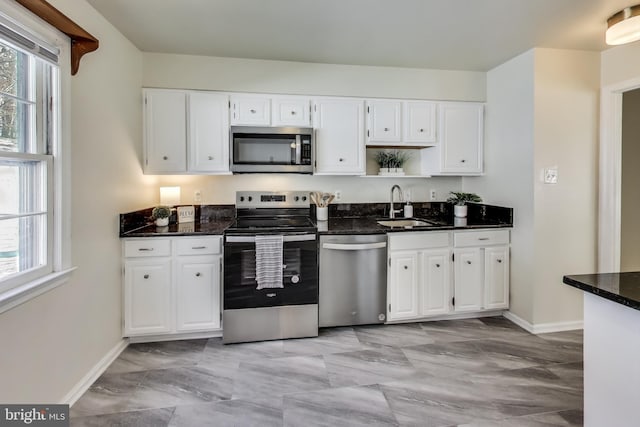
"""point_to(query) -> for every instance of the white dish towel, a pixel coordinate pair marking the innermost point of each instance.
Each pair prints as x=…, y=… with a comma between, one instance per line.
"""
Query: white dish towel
x=269, y=261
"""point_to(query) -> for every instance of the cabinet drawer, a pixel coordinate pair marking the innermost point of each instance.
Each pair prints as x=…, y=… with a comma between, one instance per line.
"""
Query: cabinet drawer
x=147, y=248
x=480, y=238
x=418, y=240
x=198, y=246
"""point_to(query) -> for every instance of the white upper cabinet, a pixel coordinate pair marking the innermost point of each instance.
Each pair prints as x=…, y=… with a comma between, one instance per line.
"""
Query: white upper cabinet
x=339, y=136
x=458, y=150
x=419, y=120
x=291, y=111
x=208, y=144
x=384, y=125
x=250, y=110
x=165, y=131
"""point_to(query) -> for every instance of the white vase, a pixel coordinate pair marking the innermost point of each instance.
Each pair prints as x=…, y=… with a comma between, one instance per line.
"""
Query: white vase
x=161, y=222
x=460, y=211
x=322, y=214
x=383, y=171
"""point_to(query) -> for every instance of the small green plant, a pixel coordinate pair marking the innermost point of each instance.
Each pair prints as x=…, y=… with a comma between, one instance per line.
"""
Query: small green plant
x=392, y=159
x=161, y=212
x=461, y=199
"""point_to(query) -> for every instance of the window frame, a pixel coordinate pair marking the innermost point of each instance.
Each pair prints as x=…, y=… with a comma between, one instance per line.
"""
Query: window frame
x=21, y=288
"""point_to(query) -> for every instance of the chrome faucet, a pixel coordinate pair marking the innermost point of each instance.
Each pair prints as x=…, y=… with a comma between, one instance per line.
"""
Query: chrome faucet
x=392, y=211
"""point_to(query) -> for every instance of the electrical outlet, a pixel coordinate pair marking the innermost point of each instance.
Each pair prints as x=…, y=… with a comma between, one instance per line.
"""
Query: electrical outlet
x=197, y=196
x=432, y=195
x=407, y=195
x=338, y=194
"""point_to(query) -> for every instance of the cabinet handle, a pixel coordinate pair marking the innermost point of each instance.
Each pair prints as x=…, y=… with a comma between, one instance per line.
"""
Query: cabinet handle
x=437, y=265
x=252, y=111
x=421, y=130
x=462, y=161
x=341, y=159
x=406, y=268
x=483, y=238
x=293, y=113
x=210, y=157
x=271, y=295
x=146, y=276
x=386, y=129
x=165, y=158
x=198, y=247
x=468, y=262
x=499, y=261
x=145, y=249
x=198, y=274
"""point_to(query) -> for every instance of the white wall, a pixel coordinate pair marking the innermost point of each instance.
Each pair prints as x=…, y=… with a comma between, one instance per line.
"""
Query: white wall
x=508, y=165
x=543, y=112
x=566, y=135
x=619, y=64
x=51, y=342
x=630, y=195
x=246, y=75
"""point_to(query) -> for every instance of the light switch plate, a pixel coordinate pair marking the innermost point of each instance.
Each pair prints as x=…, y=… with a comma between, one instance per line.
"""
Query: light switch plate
x=551, y=175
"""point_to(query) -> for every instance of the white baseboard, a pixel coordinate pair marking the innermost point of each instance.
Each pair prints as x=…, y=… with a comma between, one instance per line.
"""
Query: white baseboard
x=543, y=328
x=83, y=385
x=456, y=316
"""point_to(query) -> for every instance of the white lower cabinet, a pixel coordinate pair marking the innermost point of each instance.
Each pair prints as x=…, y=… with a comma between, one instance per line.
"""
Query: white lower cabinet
x=418, y=282
x=441, y=273
x=172, y=285
x=147, y=297
x=481, y=261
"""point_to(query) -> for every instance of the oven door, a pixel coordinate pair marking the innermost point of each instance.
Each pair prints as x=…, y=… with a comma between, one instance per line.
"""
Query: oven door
x=300, y=273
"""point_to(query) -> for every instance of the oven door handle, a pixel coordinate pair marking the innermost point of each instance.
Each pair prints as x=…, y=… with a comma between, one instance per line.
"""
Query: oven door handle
x=354, y=246
x=286, y=238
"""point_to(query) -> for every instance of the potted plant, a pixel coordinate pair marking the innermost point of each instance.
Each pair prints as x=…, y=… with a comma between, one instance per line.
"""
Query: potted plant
x=460, y=199
x=397, y=161
x=382, y=158
x=161, y=215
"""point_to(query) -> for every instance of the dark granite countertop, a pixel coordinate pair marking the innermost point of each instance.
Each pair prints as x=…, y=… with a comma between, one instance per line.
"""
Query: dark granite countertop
x=369, y=225
x=345, y=218
x=623, y=288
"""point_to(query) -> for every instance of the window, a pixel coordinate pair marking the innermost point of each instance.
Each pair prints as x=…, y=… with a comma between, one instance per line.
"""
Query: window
x=30, y=159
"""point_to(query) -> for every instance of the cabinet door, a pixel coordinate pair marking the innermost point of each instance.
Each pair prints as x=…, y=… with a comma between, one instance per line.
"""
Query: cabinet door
x=496, y=277
x=250, y=110
x=208, y=132
x=291, y=112
x=339, y=136
x=198, y=293
x=147, y=296
x=419, y=119
x=460, y=137
x=468, y=292
x=435, y=282
x=403, y=286
x=165, y=131
x=383, y=122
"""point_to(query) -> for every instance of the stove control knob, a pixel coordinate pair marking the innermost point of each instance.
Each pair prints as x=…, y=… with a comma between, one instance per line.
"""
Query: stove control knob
x=242, y=198
x=297, y=198
x=249, y=198
x=304, y=198
x=295, y=278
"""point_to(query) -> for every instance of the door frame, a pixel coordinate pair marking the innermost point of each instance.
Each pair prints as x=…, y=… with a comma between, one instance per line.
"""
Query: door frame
x=610, y=192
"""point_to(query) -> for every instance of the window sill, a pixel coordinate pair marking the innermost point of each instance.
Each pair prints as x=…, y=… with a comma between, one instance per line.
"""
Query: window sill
x=21, y=294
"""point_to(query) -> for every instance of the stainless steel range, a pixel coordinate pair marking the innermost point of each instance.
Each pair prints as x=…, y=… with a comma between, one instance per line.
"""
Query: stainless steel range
x=270, y=288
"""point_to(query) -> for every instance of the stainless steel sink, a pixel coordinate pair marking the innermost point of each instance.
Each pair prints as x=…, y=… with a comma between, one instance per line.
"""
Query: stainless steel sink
x=406, y=223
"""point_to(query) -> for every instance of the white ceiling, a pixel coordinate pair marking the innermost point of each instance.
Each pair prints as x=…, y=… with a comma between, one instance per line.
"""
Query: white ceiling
x=442, y=34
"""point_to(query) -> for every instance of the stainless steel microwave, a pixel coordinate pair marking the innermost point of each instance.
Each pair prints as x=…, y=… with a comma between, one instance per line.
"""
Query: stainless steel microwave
x=271, y=149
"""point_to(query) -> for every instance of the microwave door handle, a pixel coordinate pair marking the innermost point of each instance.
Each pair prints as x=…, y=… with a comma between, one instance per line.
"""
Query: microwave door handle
x=298, y=150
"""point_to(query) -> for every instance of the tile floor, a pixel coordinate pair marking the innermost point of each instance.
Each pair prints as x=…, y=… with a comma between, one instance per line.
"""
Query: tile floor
x=475, y=372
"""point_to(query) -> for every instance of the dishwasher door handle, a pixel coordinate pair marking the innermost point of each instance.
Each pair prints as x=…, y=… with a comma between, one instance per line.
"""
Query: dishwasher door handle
x=354, y=246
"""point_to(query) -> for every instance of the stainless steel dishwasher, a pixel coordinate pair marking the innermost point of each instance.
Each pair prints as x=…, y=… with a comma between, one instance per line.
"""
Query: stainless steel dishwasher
x=353, y=280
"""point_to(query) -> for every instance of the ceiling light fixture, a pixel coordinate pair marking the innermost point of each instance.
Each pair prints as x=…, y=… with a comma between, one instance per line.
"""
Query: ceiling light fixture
x=624, y=26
